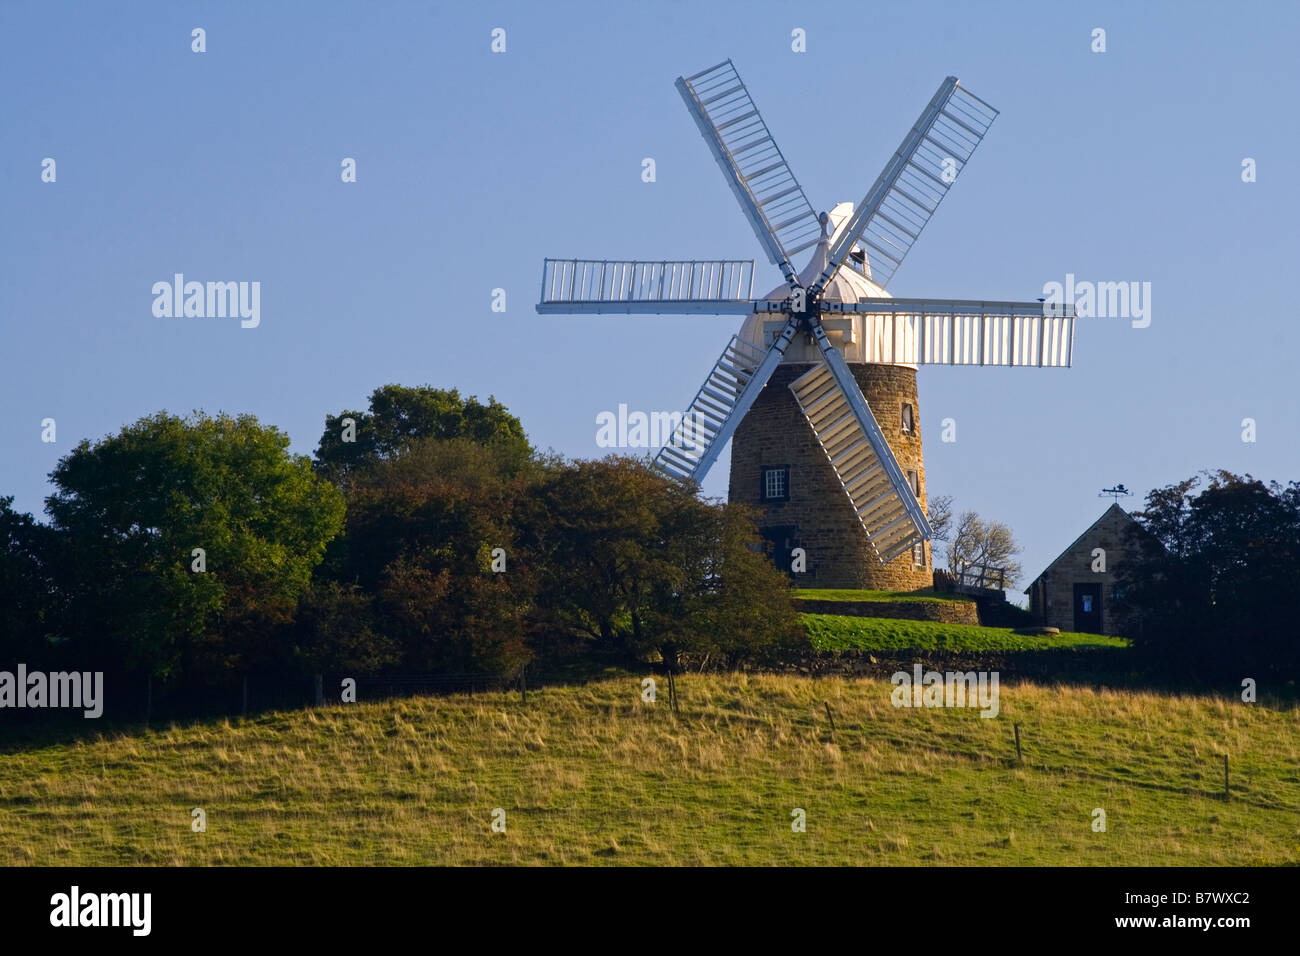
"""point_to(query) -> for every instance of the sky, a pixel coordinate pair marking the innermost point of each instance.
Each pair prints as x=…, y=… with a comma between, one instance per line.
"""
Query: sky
x=473, y=165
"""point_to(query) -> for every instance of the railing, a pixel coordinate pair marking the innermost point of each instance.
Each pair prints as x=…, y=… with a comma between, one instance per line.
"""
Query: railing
x=981, y=577
x=630, y=280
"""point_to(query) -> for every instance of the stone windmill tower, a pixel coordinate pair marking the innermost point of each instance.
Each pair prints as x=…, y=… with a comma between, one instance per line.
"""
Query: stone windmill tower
x=832, y=453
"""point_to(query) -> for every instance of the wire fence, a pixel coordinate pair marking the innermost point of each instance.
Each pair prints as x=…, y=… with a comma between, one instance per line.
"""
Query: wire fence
x=129, y=698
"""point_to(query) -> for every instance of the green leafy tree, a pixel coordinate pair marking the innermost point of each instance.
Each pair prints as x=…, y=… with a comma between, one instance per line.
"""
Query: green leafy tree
x=335, y=630
x=741, y=607
x=1217, y=558
x=635, y=562
x=592, y=528
x=132, y=508
x=400, y=416
x=28, y=610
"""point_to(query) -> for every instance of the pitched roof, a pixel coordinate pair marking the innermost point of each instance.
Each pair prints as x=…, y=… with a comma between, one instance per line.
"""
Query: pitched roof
x=1106, y=514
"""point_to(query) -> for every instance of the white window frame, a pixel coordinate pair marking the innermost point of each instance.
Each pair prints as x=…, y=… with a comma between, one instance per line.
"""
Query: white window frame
x=771, y=477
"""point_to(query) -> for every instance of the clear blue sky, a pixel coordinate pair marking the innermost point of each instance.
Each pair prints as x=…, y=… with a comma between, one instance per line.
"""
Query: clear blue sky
x=473, y=166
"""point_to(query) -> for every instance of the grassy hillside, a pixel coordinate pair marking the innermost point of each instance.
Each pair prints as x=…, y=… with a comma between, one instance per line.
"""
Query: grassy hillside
x=842, y=632
x=591, y=775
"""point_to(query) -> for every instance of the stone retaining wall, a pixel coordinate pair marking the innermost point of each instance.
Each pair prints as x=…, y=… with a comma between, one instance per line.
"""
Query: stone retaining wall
x=944, y=612
x=1068, y=664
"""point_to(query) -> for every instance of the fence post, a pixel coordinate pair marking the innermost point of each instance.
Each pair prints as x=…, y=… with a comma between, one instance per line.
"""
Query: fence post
x=830, y=717
x=1227, y=794
x=523, y=683
x=1019, y=755
x=320, y=690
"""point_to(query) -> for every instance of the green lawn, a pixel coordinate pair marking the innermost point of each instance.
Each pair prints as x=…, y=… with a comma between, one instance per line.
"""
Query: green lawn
x=842, y=632
x=592, y=775
x=842, y=594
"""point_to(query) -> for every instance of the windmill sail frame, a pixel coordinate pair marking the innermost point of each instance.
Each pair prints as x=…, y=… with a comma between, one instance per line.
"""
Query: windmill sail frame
x=883, y=227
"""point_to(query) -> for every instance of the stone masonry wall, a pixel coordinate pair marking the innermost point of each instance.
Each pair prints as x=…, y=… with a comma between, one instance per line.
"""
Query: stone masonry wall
x=1075, y=566
x=1100, y=665
x=775, y=433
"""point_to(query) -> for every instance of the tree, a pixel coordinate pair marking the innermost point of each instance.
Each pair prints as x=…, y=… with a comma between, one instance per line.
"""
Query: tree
x=132, y=509
x=939, y=511
x=742, y=607
x=592, y=529
x=979, y=542
x=400, y=416
x=27, y=610
x=635, y=562
x=1210, y=585
x=430, y=480
x=422, y=529
x=334, y=630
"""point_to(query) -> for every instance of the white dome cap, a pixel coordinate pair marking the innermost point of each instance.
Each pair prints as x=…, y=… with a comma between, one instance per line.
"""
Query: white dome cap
x=848, y=284
x=859, y=336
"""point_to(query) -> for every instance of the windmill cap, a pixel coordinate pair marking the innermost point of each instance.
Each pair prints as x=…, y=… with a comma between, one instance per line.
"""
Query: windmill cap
x=847, y=285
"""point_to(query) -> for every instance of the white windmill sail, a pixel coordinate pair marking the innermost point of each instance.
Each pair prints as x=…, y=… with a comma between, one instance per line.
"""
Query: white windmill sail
x=755, y=169
x=909, y=189
x=872, y=239
x=731, y=388
x=961, y=332
x=625, y=286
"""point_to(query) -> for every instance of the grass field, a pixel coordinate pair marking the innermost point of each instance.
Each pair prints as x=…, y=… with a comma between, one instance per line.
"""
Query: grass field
x=833, y=632
x=591, y=775
x=839, y=594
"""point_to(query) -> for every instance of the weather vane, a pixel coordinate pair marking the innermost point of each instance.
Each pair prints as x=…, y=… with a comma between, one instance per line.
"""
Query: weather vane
x=1118, y=492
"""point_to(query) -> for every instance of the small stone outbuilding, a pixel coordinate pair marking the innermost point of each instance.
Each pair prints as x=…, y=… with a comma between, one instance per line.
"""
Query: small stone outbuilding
x=1077, y=591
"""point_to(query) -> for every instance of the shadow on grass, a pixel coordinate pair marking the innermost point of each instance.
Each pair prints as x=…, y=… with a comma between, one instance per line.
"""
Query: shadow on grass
x=1109, y=668
x=24, y=730
x=1102, y=668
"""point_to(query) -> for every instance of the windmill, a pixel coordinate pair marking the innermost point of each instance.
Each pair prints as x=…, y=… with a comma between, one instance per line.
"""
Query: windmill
x=828, y=476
